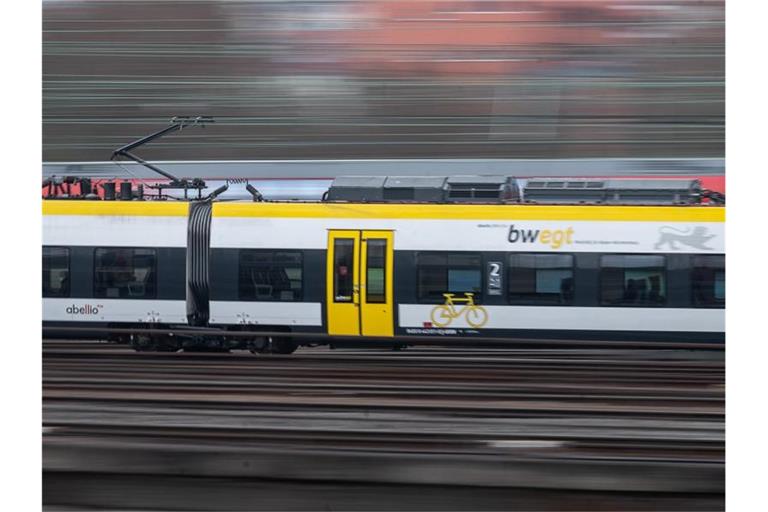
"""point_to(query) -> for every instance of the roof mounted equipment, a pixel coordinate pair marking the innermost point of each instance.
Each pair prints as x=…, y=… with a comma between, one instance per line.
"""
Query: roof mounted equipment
x=254, y=193
x=178, y=123
x=481, y=189
x=613, y=191
x=423, y=189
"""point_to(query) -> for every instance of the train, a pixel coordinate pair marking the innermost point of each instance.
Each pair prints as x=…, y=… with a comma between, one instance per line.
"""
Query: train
x=393, y=261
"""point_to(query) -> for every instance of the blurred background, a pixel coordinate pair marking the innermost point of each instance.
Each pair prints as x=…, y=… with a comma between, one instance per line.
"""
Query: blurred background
x=386, y=78
x=445, y=87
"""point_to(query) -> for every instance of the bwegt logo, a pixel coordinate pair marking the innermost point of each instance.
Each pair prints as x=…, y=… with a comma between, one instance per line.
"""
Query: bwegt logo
x=88, y=309
x=555, y=238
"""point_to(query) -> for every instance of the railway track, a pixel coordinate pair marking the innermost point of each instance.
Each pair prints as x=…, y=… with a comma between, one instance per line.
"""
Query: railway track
x=578, y=421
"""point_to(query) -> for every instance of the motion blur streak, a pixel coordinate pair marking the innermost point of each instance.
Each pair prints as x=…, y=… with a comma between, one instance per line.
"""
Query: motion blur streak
x=386, y=79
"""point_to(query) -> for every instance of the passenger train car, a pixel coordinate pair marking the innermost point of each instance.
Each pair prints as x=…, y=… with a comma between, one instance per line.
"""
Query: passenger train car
x=381, y=271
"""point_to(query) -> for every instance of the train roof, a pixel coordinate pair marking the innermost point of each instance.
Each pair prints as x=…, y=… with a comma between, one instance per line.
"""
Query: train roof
x=469, y=189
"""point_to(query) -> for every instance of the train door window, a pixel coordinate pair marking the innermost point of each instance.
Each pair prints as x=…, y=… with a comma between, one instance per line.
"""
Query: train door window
x=125, y=273
x=343, y=269
x=633, y=280
x=376, y=257
x=265, y=275
x=540, y=278
x=55, y=272
x=440, y=273
x=708, y=281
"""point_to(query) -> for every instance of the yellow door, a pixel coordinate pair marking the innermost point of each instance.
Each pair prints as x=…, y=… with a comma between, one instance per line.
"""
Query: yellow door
x=359, y=283
x=343, y=282
x=376, y=302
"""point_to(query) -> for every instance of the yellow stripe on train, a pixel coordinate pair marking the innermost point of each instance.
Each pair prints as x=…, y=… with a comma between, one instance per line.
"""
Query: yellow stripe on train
x=394, y=211
x=117, y=208
x=472, y=212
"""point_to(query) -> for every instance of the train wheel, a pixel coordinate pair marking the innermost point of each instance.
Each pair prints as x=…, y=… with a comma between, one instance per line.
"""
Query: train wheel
x=168, y=345
x=284, y=346
x=258, y=345
x=143, y=343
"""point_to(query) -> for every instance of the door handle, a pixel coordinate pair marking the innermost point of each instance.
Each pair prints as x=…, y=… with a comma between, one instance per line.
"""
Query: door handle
x=356, y=295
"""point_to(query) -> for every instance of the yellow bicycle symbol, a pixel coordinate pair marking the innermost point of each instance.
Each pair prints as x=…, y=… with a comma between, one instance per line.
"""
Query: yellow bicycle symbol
x=443, y=314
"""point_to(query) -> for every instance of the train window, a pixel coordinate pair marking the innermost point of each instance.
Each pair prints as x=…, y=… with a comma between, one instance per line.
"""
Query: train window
x=633, y=280
x=439, y=273
x=270, y=275
x=708, y=281
x=55, y=272
x=343, y=269
x=376, y=269
x=540, y=278
x=125, y=273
